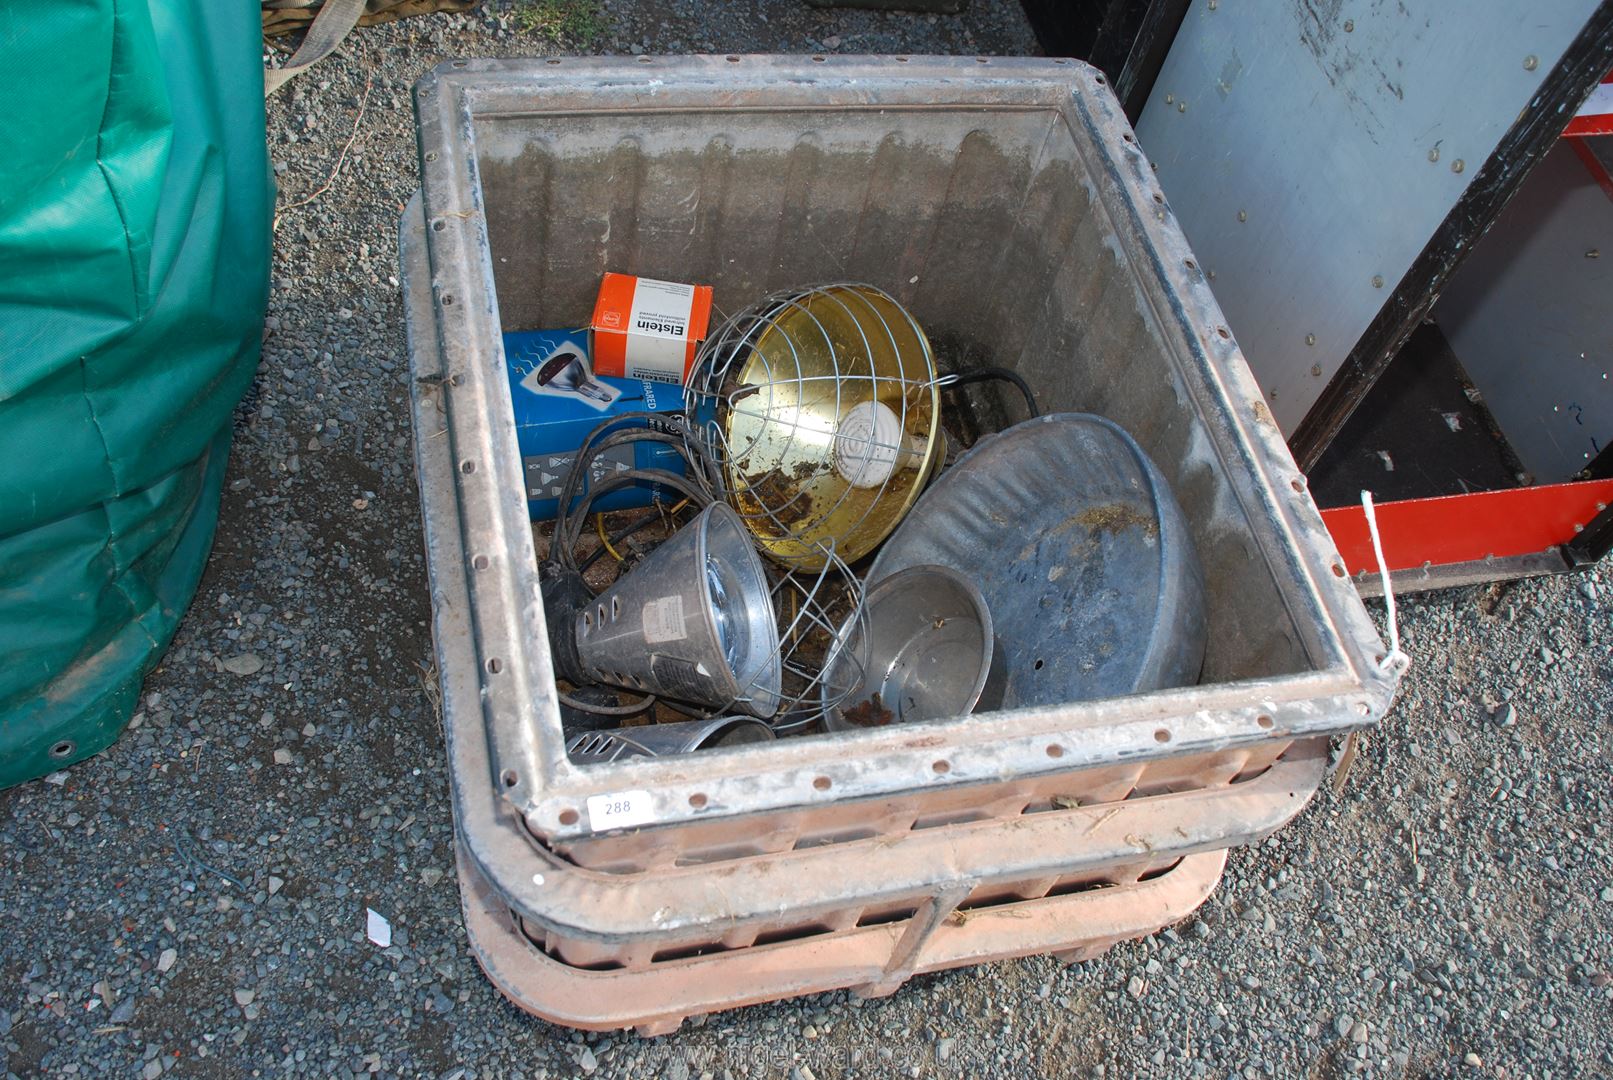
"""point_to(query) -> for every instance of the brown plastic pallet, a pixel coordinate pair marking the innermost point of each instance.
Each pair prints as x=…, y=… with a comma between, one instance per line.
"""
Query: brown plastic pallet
x=872, y=960
x=808, y=864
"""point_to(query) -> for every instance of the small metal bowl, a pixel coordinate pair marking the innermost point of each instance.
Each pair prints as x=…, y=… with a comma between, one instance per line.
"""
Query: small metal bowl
x=929, y=654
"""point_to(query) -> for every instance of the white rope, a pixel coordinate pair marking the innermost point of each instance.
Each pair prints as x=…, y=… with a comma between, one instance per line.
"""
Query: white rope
x=1395, y=660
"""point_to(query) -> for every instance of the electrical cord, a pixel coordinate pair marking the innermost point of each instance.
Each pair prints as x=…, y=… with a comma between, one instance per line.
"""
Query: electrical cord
x=616, y=538
x=1000, y=374
x=632, y=708
x=690, y=711
x=564, y=546
x=574, y=504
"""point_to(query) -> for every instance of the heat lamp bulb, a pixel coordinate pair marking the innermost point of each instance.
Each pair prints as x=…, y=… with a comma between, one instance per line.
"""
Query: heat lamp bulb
x=870, y=445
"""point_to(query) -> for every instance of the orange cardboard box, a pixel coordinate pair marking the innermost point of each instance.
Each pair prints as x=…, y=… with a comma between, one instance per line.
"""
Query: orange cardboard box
x=648, y=329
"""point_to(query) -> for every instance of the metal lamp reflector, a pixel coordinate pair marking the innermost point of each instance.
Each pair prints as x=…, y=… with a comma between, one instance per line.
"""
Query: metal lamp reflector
x=694, y=621
x=818, y=412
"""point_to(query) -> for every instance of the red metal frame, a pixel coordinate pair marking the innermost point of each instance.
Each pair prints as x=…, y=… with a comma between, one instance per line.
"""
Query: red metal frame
x=1595, y=117
x=1456, y=529
x=1492, y=524
x=1468, y=528
x=1593, y=165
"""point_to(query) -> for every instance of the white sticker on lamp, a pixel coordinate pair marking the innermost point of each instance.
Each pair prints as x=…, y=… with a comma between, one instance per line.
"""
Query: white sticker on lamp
x=663, y=620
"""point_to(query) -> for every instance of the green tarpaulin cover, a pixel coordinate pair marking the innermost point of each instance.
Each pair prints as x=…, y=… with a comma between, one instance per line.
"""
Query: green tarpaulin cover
x=135, y=203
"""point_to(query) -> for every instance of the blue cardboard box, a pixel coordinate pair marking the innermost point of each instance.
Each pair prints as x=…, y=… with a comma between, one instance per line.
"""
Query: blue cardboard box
x=558, y=401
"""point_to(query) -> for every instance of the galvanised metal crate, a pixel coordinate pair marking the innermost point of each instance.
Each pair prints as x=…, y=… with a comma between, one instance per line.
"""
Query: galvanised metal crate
x=1006, y=203
x=735, y=880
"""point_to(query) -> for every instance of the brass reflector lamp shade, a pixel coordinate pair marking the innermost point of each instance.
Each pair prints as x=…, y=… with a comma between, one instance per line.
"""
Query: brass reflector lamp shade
x=817, y=411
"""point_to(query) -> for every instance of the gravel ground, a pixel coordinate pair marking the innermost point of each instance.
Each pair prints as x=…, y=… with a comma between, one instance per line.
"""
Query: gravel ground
x=193, y=901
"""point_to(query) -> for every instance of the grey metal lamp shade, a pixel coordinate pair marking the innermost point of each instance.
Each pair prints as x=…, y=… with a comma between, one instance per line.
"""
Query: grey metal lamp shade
x=694, y=621
x=661, y=740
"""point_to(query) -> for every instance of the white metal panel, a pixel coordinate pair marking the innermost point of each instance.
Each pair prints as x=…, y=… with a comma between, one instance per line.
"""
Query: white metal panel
x=1599, y=104
x=1530, y=316
x=1310, y=149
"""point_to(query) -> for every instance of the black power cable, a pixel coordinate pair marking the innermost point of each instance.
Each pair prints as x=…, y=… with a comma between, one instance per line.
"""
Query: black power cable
x=574, y=506
x=998, y=374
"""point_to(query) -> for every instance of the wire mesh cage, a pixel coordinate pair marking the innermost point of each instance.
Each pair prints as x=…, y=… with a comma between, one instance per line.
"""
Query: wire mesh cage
x=818, y=606
x=815, y=414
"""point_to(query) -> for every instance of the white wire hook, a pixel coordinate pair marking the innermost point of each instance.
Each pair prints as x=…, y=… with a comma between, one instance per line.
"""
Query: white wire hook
x=1397, y=660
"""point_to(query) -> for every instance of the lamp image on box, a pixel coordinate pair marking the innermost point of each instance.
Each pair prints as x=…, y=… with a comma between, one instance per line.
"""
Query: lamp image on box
x=558, y=400
x=566, y=372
